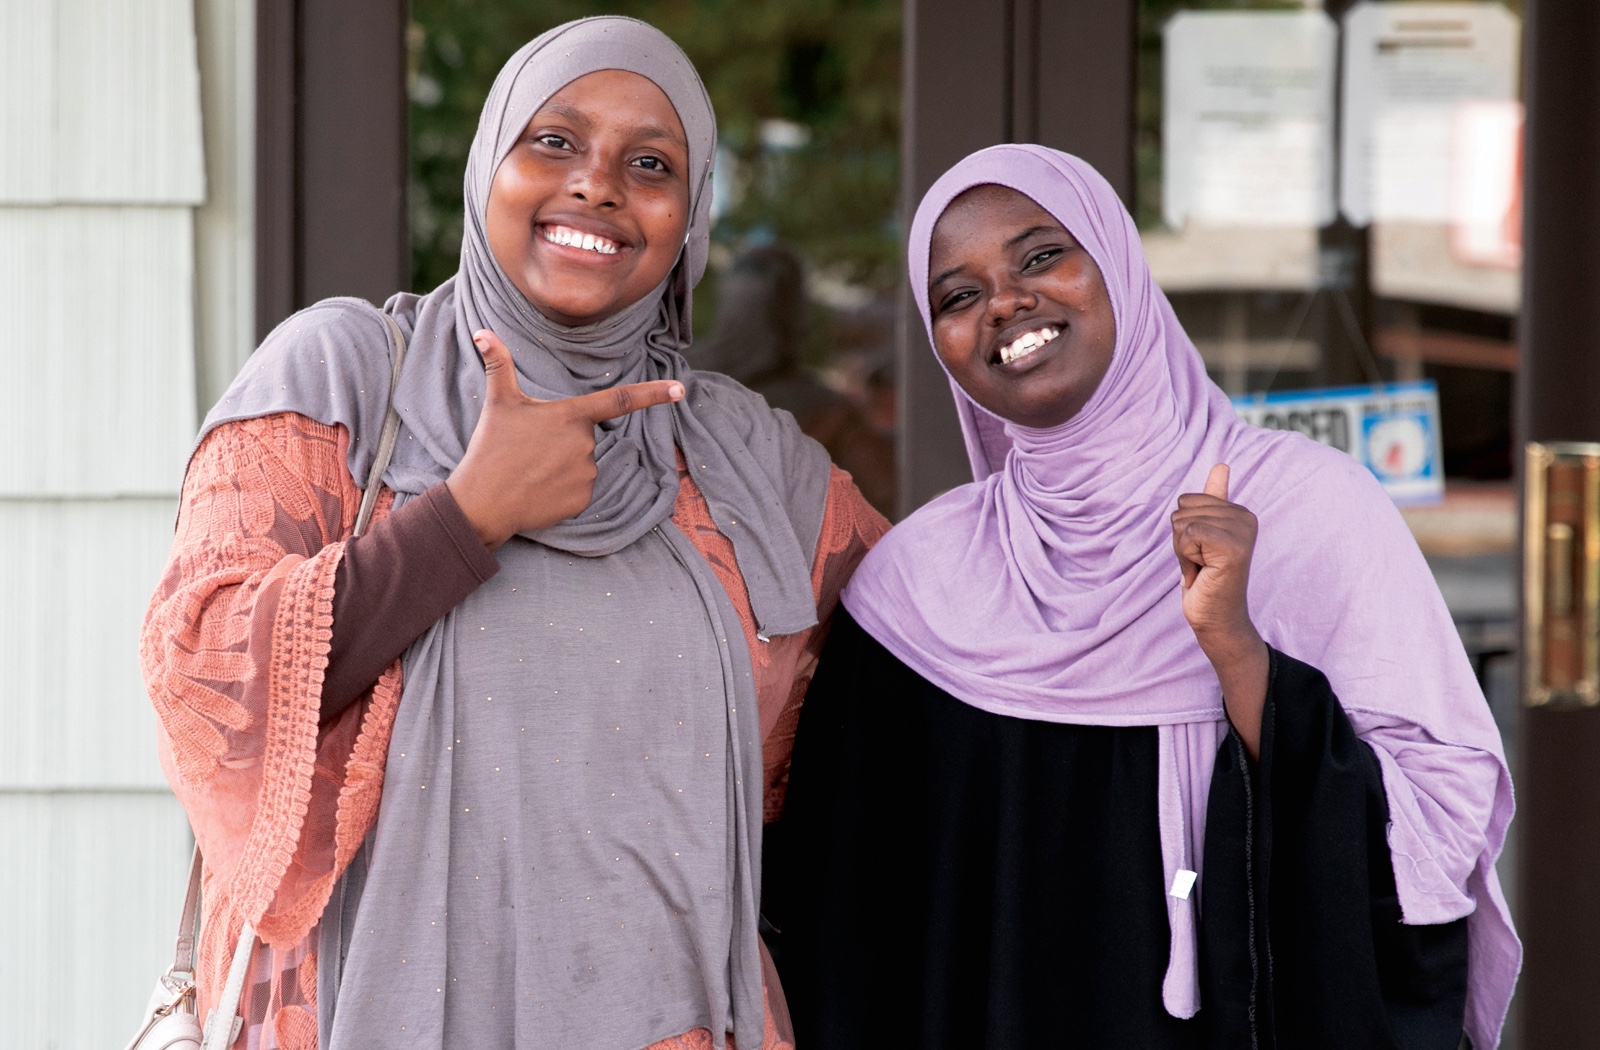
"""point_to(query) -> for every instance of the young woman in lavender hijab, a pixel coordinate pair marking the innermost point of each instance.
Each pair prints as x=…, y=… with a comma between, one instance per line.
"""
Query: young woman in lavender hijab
x=1156, y=735
x=569, y=654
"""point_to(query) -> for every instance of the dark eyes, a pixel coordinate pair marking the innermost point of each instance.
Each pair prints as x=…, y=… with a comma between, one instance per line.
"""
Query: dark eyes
x=646, y=162
x=956, y=299
x=1039, y=258
x=1032, y=263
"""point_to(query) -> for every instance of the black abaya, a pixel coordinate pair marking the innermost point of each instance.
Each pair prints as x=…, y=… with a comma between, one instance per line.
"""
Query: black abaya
x=947, y=878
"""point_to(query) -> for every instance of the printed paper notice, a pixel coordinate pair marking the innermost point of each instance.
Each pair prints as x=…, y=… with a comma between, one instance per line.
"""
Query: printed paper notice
x=1408, y=69
x=1247, y=118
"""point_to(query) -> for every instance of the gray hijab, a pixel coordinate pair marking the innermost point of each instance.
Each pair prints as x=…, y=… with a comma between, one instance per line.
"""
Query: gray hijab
x=494, y=766
x=733, y=444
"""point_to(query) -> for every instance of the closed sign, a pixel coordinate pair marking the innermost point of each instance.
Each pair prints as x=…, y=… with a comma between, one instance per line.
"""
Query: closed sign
x=1392, y=428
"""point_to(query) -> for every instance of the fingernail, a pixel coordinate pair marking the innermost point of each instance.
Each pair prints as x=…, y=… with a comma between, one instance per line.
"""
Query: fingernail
x=675, y=391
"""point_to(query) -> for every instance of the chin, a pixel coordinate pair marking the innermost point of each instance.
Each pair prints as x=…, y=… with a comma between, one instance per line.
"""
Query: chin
x=1044, y=417
x=568, y=311
x=587, y=311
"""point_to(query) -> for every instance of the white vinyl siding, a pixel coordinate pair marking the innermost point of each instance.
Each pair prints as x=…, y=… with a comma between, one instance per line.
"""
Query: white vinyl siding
x=97, y=878
x=76, y=576
x=107, y=331
x=101, y=102
x=99, y=346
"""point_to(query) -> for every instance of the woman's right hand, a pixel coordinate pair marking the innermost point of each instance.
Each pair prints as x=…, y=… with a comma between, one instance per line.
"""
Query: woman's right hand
x=530, y=463
x=1214, y=540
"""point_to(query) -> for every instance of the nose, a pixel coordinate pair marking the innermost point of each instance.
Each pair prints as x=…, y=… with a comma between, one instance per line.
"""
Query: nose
x=1006, y=301
x=594, y=182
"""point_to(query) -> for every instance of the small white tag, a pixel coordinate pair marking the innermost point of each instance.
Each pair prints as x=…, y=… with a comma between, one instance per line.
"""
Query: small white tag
x=1182, y=883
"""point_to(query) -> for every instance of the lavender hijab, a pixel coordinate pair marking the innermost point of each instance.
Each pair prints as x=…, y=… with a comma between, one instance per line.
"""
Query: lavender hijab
x=1048, y=589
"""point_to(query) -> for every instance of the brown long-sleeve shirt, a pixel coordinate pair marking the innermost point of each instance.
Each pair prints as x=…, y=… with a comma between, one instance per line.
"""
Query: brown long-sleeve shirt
x=407, y=571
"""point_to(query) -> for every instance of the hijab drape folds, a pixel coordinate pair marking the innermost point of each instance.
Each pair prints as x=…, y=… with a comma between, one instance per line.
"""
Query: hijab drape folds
x=1048, y=589
x=469, y=880
x=442, y=387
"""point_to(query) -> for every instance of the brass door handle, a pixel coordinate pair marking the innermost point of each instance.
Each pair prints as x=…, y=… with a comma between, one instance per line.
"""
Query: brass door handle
x=1558, y=568
x=1561, y=575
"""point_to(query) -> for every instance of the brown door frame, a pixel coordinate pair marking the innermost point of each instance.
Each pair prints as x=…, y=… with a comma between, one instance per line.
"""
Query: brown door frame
x=331, y=153
x=1558, y=399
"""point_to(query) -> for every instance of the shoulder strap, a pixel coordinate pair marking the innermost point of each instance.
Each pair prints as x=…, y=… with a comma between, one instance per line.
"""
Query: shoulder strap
x=222, y=1024
x=391, y=427
x=221, y=1034
x=226, y=1011
x=188, y=922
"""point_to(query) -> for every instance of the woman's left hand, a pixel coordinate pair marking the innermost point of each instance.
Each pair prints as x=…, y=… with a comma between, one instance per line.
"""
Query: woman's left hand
x=1214, y=540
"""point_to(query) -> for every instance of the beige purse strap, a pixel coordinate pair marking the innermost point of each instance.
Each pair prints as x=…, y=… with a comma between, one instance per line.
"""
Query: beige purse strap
x=391, y=427
x=223, y=1022
x=180, y=979
x=222, y=1026
x=189, y=922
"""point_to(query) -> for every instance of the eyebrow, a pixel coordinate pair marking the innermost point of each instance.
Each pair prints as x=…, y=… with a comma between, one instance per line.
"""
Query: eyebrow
x=574, y=115
x=1029, y=232
x=569, y=113
x=656, y=131
x=1010, y=243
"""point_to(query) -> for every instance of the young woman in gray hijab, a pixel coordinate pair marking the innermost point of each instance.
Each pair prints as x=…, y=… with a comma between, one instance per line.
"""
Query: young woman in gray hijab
x=494, y=774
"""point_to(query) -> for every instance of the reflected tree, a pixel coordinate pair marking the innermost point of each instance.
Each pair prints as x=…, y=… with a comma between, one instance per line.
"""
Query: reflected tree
x=807, y=96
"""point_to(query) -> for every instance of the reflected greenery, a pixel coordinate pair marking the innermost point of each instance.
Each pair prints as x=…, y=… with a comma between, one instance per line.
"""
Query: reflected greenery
x=807, y=94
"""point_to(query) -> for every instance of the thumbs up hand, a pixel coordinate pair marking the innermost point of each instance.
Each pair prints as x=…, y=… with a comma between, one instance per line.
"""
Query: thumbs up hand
x=1214, y=540
x=530, y=463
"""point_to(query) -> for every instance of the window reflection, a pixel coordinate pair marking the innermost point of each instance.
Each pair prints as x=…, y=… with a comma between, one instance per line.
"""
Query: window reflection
x=798, y=299
x=1332, y=200
x=760, y=333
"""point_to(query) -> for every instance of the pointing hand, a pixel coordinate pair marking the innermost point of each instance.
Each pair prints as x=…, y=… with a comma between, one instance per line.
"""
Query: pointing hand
x=530, y=463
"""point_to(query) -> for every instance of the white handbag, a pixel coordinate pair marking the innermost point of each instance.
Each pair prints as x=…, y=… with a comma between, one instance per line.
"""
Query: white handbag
x=170, y=1022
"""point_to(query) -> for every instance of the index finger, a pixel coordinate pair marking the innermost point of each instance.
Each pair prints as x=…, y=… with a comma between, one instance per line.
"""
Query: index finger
x=621, y=400
x=1217, y=481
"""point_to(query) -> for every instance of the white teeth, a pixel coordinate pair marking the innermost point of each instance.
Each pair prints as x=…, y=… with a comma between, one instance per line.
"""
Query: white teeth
x=573, y=238
x=1027, y=343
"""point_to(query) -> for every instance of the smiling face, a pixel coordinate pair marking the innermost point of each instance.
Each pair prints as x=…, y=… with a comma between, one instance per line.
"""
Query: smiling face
x=587, y=212
x=1021, y=318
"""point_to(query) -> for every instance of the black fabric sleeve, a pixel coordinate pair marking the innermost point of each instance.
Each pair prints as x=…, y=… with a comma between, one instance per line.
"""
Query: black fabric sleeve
x=392, y=584
x=1302, y=944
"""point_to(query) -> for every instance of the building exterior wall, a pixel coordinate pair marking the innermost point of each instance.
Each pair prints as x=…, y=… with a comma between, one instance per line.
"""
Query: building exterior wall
x=109, y=332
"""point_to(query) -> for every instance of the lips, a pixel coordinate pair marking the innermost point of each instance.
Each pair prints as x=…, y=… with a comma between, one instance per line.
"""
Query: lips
x=1028, y=342
x=574, y=238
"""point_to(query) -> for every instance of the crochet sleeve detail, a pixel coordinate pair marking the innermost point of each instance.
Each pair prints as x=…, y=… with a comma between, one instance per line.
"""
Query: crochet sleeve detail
x=234, y=648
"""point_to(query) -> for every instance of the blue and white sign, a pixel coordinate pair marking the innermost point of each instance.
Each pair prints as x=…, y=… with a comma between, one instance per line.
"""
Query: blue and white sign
x=1393, y=428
